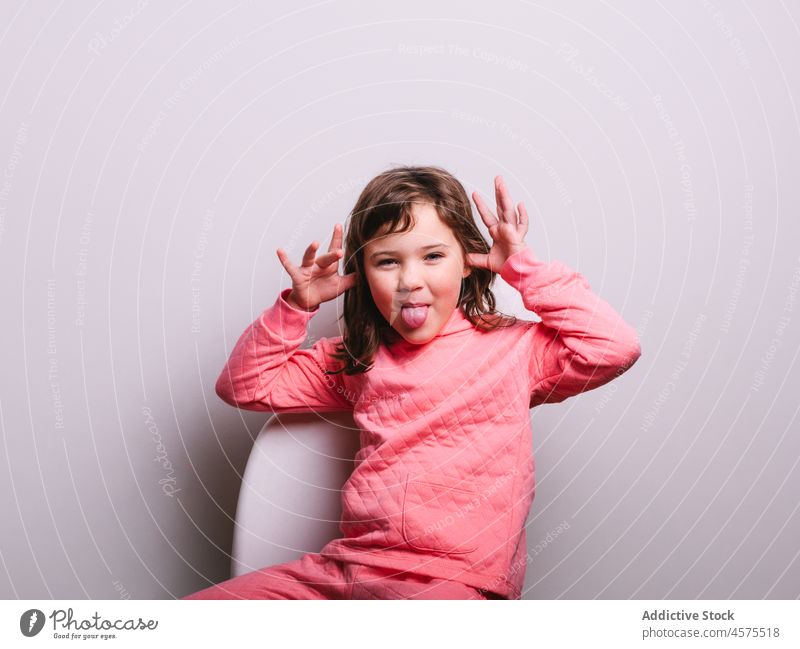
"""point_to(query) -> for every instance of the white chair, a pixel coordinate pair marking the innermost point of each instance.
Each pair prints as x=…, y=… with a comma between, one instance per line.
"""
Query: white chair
x=290, y=500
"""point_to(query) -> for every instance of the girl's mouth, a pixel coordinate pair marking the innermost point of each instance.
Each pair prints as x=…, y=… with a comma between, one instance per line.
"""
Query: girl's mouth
x=414, y=316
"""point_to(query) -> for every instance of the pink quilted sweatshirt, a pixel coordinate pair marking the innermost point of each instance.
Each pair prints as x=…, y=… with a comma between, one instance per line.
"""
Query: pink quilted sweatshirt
x=444, y=479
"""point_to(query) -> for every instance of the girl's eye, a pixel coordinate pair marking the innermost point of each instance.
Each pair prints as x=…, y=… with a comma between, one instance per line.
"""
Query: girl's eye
x=435, y=255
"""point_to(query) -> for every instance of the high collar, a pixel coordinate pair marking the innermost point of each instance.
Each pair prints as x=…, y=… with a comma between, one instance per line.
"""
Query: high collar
x=455, y=323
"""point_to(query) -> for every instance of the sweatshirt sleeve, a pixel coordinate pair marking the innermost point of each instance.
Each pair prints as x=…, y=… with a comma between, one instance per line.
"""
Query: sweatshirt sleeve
x=268, y=372
x=581, y=342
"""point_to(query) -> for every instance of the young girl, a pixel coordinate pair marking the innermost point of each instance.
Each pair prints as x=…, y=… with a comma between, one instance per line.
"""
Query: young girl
x=439, y=383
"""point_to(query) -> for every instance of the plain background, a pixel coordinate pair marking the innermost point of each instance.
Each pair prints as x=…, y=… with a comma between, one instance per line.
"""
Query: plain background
x=153, y=157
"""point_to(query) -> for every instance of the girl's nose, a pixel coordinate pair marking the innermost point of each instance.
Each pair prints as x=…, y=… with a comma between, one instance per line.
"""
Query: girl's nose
x=410, y=278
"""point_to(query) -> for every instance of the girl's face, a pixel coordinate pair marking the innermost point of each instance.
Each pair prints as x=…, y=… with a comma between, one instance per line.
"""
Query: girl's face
x=424, y=266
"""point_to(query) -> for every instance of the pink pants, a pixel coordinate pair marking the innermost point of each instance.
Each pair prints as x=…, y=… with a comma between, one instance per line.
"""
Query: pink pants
x=313, y=576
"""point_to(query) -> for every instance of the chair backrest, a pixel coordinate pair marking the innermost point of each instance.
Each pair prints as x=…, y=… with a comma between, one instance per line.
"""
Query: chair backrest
x=290, y=500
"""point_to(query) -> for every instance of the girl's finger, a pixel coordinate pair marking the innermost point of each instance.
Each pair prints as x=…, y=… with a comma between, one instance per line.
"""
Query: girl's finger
x=328, y=258
x=310, y=254
x=346, y=282
x=478, y=260
x=284, y=259
x=523, y=216
x=337, y=234
x=503, y=198
x=498, y=199
x=486, y=214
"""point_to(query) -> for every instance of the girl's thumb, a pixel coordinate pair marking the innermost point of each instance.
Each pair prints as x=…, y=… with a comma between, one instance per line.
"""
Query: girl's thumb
x=347, y=282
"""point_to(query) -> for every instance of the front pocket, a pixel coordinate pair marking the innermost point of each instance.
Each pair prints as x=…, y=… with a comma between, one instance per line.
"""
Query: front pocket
x=439, y=516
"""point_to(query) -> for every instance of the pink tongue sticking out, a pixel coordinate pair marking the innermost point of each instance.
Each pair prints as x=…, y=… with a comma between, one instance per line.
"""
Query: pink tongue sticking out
x=414, y=316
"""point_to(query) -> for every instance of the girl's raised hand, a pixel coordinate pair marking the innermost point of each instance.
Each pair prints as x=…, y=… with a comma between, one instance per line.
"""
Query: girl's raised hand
x=317, y=279
x=507, y=229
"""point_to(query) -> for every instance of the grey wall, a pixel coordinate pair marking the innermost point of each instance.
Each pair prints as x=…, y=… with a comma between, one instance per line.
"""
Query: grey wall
x=153, y=157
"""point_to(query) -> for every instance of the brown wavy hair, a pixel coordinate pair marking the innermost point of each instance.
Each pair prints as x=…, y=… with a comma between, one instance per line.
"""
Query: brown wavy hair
x=385, y=207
